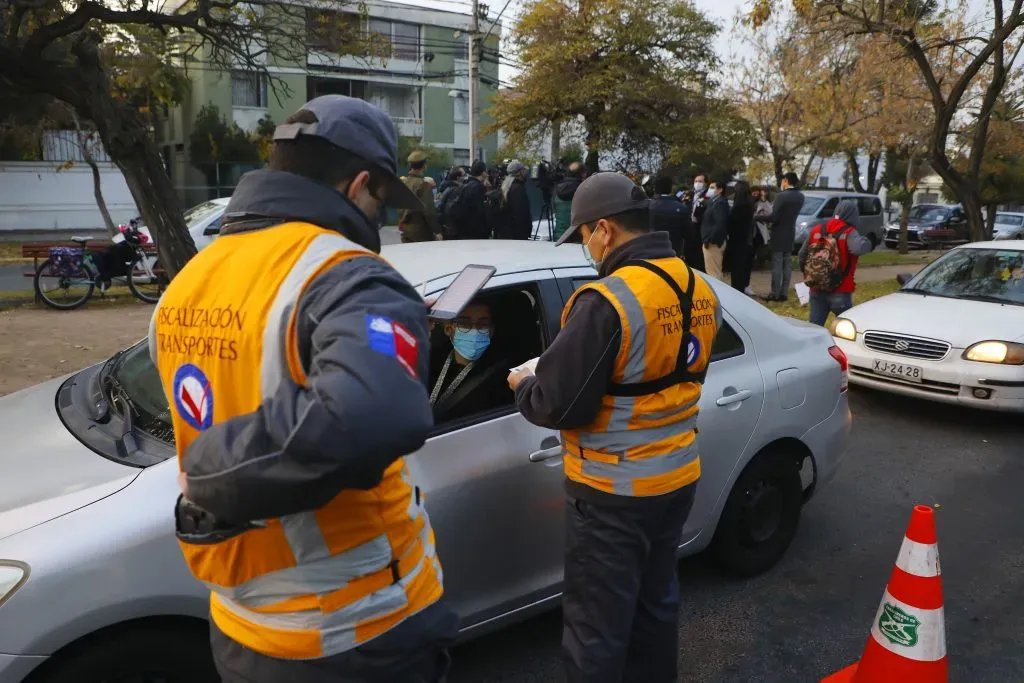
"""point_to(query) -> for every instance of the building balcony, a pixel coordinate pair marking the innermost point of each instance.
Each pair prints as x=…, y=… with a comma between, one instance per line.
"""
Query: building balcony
x=408, y=127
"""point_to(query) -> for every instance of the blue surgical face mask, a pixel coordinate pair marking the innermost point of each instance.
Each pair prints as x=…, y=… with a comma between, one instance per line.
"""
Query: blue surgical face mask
x=594, y=263
x=472, y=344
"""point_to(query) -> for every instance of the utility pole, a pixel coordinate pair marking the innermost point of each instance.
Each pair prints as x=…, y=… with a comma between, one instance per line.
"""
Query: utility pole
x=473, y=80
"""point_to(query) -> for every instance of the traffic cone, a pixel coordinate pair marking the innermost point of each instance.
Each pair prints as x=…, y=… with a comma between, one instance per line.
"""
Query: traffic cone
x=908, y=637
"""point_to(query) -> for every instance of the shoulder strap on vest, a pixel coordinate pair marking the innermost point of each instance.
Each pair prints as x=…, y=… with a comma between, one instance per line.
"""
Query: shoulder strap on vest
x=682, y=373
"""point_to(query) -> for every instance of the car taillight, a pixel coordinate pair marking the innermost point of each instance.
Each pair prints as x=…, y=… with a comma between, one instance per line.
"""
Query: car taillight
x=844, y=366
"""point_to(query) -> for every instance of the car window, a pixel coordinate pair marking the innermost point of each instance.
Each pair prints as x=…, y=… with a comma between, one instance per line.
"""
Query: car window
x=214, y=227
x=811, y=206
x=982, y=274
x=138, y=377
x=1006, y=219
x=830, y=207
x=928, y=213
x=505, y=327
x=727, y=343
x=869, y=206
x=200, y=212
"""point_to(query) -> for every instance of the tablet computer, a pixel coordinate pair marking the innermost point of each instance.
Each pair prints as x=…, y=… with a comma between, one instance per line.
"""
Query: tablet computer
x=461, y=291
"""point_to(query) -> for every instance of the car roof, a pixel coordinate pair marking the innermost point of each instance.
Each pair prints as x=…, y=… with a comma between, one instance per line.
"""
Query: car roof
x=424, y=261
x=1010, y=213
x=1001, y=245
x=838, y=193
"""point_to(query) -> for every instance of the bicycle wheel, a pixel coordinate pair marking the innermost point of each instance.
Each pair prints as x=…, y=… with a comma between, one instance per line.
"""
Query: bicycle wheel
x=147, y=280
x=60, y=289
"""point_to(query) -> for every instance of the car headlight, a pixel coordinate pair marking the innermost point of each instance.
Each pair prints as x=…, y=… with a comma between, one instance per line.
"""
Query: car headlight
x=844, y=329
x=12, y=576
x=1005, y=353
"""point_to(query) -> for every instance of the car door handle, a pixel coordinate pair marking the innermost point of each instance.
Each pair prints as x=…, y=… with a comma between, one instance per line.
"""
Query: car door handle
x=551, y=447
x=742, y=395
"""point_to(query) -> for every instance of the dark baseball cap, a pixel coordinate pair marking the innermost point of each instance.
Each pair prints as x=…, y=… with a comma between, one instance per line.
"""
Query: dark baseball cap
x=358, y=127
x=603, y=195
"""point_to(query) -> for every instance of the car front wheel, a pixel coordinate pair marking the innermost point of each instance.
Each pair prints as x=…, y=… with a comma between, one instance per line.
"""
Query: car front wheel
x=761, y=516
x=145, y=654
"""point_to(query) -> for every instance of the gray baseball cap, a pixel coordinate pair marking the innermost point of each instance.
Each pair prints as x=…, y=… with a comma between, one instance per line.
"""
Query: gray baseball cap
x=600, y=196
x=358, y=127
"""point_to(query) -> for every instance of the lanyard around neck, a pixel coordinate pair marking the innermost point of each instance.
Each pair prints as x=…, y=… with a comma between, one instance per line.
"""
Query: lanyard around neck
x=453, y=386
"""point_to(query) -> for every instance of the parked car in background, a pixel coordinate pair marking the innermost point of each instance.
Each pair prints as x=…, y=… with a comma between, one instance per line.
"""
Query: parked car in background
x=203, y=221
x=1009, y=225
x=954, y=333
x=820, y=206
x=95, y=587
x=931, y=225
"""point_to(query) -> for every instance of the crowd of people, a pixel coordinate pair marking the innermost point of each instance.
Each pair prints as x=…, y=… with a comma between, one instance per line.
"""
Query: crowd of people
x=714, y=230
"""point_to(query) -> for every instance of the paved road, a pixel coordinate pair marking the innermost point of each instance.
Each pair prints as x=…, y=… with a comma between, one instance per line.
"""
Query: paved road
x=810, y=615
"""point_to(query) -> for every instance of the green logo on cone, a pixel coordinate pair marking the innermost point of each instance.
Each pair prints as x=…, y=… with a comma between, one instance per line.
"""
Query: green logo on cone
x=897, y=626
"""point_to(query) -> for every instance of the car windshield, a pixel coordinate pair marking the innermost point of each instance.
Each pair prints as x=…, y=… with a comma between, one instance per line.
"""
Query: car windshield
x=1013, y=221
x=928, y=213
x=985, y=274
x=137, y=377
x=811, y=205
x=201, y=211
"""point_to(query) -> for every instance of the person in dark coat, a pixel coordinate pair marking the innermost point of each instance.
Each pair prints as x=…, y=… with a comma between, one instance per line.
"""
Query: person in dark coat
x=693, y=252
x=668, y=214
x=564, y=192
x=740, y=246
x=783, y=219
x=714, y=229
x=468, y=214
x=519, y=219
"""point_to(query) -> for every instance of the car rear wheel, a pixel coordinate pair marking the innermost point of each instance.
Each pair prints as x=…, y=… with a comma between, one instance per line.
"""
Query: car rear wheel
x=155, y=654
x=761, y=516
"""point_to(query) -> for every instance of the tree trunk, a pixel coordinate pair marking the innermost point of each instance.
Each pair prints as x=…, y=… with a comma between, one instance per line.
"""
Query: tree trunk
x=97, y=191
x=990, y=220
x=853, y=168
x=556, y=140
x=777, y=165
x=593, y=147
x=874, y=183
x=85, y=146
x=909, y=185
x=970, y=199
x=807, y=169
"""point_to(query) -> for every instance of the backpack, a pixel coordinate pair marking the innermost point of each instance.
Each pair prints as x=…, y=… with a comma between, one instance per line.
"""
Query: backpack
x=452, y=209
x=823, y=269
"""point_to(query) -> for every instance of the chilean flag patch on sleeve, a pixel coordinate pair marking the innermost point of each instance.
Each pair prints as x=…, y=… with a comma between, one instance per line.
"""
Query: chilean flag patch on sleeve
x=393, y=339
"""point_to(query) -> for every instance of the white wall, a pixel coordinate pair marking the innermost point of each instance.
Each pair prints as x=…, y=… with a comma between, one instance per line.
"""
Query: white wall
x=35, y=196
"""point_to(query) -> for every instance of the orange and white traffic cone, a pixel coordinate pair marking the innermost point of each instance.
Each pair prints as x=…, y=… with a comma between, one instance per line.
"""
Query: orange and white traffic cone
x=908, y=637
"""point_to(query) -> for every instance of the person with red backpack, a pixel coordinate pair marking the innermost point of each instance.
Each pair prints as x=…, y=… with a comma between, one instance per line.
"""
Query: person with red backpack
x=828, y=259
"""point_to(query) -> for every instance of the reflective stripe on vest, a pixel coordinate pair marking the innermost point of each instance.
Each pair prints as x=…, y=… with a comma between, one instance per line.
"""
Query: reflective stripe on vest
x=315, y=583
x=645, y=445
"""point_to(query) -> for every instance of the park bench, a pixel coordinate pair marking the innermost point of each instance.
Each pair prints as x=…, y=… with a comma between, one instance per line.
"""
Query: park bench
x=40, y=251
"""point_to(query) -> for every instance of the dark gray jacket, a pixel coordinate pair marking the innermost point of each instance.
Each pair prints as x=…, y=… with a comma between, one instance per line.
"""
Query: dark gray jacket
x=783, y=217
x=714, y=226
x=360, y=409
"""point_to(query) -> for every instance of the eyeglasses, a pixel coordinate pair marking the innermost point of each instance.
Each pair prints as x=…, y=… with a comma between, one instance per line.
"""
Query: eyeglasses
x=466, y=325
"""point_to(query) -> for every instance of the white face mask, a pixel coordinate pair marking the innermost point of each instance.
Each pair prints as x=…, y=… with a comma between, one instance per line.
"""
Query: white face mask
x=698, y=187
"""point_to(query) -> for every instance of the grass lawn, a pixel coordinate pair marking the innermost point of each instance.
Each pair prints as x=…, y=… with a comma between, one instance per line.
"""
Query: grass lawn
x=115, y=296
x=865, y=292
x=892, y=258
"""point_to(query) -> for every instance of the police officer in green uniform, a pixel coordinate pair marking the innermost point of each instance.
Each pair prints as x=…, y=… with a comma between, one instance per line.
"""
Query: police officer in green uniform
x=419, y=226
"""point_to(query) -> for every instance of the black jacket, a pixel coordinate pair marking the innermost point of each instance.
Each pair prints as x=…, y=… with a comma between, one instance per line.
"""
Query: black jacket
x=484, y=388
x=519, y=219
x=574, y=373
x=741, y=224
x=670, y=215
x=475, y=225
x=714, y=227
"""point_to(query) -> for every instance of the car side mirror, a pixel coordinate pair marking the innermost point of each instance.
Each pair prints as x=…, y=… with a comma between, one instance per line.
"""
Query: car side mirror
x=904, y=278
x=212, y=229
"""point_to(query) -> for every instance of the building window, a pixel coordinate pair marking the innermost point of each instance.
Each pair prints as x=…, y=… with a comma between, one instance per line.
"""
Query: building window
x=248, y=89
x=335, y=31
x=462, y=107
x=460, y=157
x=403, y=38
x=460, y=49
x=823, y=181
x=399, y=102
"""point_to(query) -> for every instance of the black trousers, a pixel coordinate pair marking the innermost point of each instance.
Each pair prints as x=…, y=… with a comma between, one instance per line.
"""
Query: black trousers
x=415, y=651
x=621, y=595
x=742, y=264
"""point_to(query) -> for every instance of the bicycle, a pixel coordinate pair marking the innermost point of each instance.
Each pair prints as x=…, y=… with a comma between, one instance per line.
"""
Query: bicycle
x=70, y=268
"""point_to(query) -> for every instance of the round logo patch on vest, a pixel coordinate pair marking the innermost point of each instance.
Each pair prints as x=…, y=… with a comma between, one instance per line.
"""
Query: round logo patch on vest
x=692, y=351
x=193, y=397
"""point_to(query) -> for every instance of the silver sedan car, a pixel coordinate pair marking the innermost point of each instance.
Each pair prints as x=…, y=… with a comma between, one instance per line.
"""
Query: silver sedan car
x=93, y=587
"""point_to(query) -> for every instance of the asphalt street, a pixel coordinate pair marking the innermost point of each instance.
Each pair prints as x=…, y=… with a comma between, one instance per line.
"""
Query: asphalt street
x=810, y=615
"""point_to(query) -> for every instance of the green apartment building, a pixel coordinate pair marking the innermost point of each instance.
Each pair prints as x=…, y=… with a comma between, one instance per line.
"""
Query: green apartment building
x=423, y=84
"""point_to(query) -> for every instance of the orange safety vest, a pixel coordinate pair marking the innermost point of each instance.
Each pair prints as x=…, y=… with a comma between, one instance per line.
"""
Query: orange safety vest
x=311, y=584
x=642, y=442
